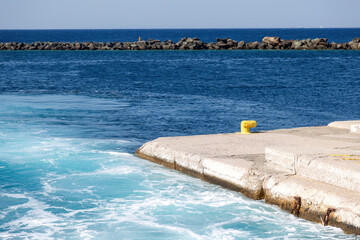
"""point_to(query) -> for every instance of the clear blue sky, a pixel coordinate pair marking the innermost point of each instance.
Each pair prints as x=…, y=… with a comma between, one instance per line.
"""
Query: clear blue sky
x=78, y=14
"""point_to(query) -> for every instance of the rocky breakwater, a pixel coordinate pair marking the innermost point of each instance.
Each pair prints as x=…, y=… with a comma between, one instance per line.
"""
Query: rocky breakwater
x=267, y=43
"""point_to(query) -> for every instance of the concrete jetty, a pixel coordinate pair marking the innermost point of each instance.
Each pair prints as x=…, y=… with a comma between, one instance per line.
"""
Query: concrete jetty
x=312, y=172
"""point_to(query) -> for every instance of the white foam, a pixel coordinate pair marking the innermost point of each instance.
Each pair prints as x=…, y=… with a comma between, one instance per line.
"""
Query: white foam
x=40, y=131
x=47, y=187
x=49, y=190
x=227, y=234
x=180, y=230
x=36, y=217
x=119, y=154
x=113, y=153
x=49, y=160
x=120, y=170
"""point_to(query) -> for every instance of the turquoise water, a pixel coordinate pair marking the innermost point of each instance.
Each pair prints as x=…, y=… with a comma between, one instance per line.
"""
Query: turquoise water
x=55, y=184
x=71, y=121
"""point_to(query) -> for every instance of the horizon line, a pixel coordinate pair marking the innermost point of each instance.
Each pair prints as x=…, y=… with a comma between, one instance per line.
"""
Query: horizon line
x=49, y=29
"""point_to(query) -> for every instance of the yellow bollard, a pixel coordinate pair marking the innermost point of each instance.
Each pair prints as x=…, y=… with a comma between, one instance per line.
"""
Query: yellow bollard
x=246, y=125
x=139, y=39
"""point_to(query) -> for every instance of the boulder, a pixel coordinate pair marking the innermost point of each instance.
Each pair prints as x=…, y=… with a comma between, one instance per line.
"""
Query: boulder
x=241, y=45
x=354, y=44
x=231, y=43
x=356, y=40
x=117, y=46
x=222, y=45
x=253, y=45
x=285, y=44
x=268, y=46
x=221, y=40
x=179, y=43
x=317, y=41
x=271, y=40
x=345, y=46
x=264, y=46
x=126, y=46
x=339, y=46
x=297, y=44
x=91, y=46
x=142, y=46
x=210, y=46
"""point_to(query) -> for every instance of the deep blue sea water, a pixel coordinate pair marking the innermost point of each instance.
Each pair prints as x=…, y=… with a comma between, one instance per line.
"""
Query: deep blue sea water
x=338, y=35
x=71, y=121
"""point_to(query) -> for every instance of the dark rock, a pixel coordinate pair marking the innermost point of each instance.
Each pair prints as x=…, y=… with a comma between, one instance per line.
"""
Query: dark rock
x=317, y=41
x=126, y=46
x=345, y=46
x=197, y=44
x=263, y=46
x=356, y=40
x=310, y=45
x=286, y=44
x=172, y=46
x=210, y=46
x=241, y=45
x=90, y=46
x=166, y=46
x=221, y=40
x=142, y=45
x=117, y=46
x=222, y=45
x=232, y=44
x=179, y=43
x=269, y=46
x=253, y=45
x=187, y=44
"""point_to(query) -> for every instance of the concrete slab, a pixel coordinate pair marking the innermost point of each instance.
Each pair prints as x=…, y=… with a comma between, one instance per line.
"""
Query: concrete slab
x=353, y=126
x=314, y=163
x=316, y=198
x=336, y=169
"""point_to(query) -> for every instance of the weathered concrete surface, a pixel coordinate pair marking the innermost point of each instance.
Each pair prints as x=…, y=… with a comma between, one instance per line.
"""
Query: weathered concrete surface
x=319, y=164
x=354, y=126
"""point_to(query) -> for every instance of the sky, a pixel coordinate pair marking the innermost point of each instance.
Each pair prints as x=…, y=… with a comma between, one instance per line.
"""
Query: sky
x=125, y=14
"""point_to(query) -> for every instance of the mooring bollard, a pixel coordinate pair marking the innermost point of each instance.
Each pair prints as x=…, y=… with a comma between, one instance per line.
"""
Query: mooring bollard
x=246, y=125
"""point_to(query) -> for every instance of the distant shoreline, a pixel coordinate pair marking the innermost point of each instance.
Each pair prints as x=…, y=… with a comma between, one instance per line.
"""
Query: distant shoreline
x=267, y=43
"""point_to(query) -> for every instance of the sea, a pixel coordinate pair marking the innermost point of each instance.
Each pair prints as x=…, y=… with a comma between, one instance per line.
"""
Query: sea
x=70, y=122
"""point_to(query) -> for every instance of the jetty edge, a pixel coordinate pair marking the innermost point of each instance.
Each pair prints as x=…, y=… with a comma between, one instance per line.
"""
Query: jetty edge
x=311, y=172
x=187, y=43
